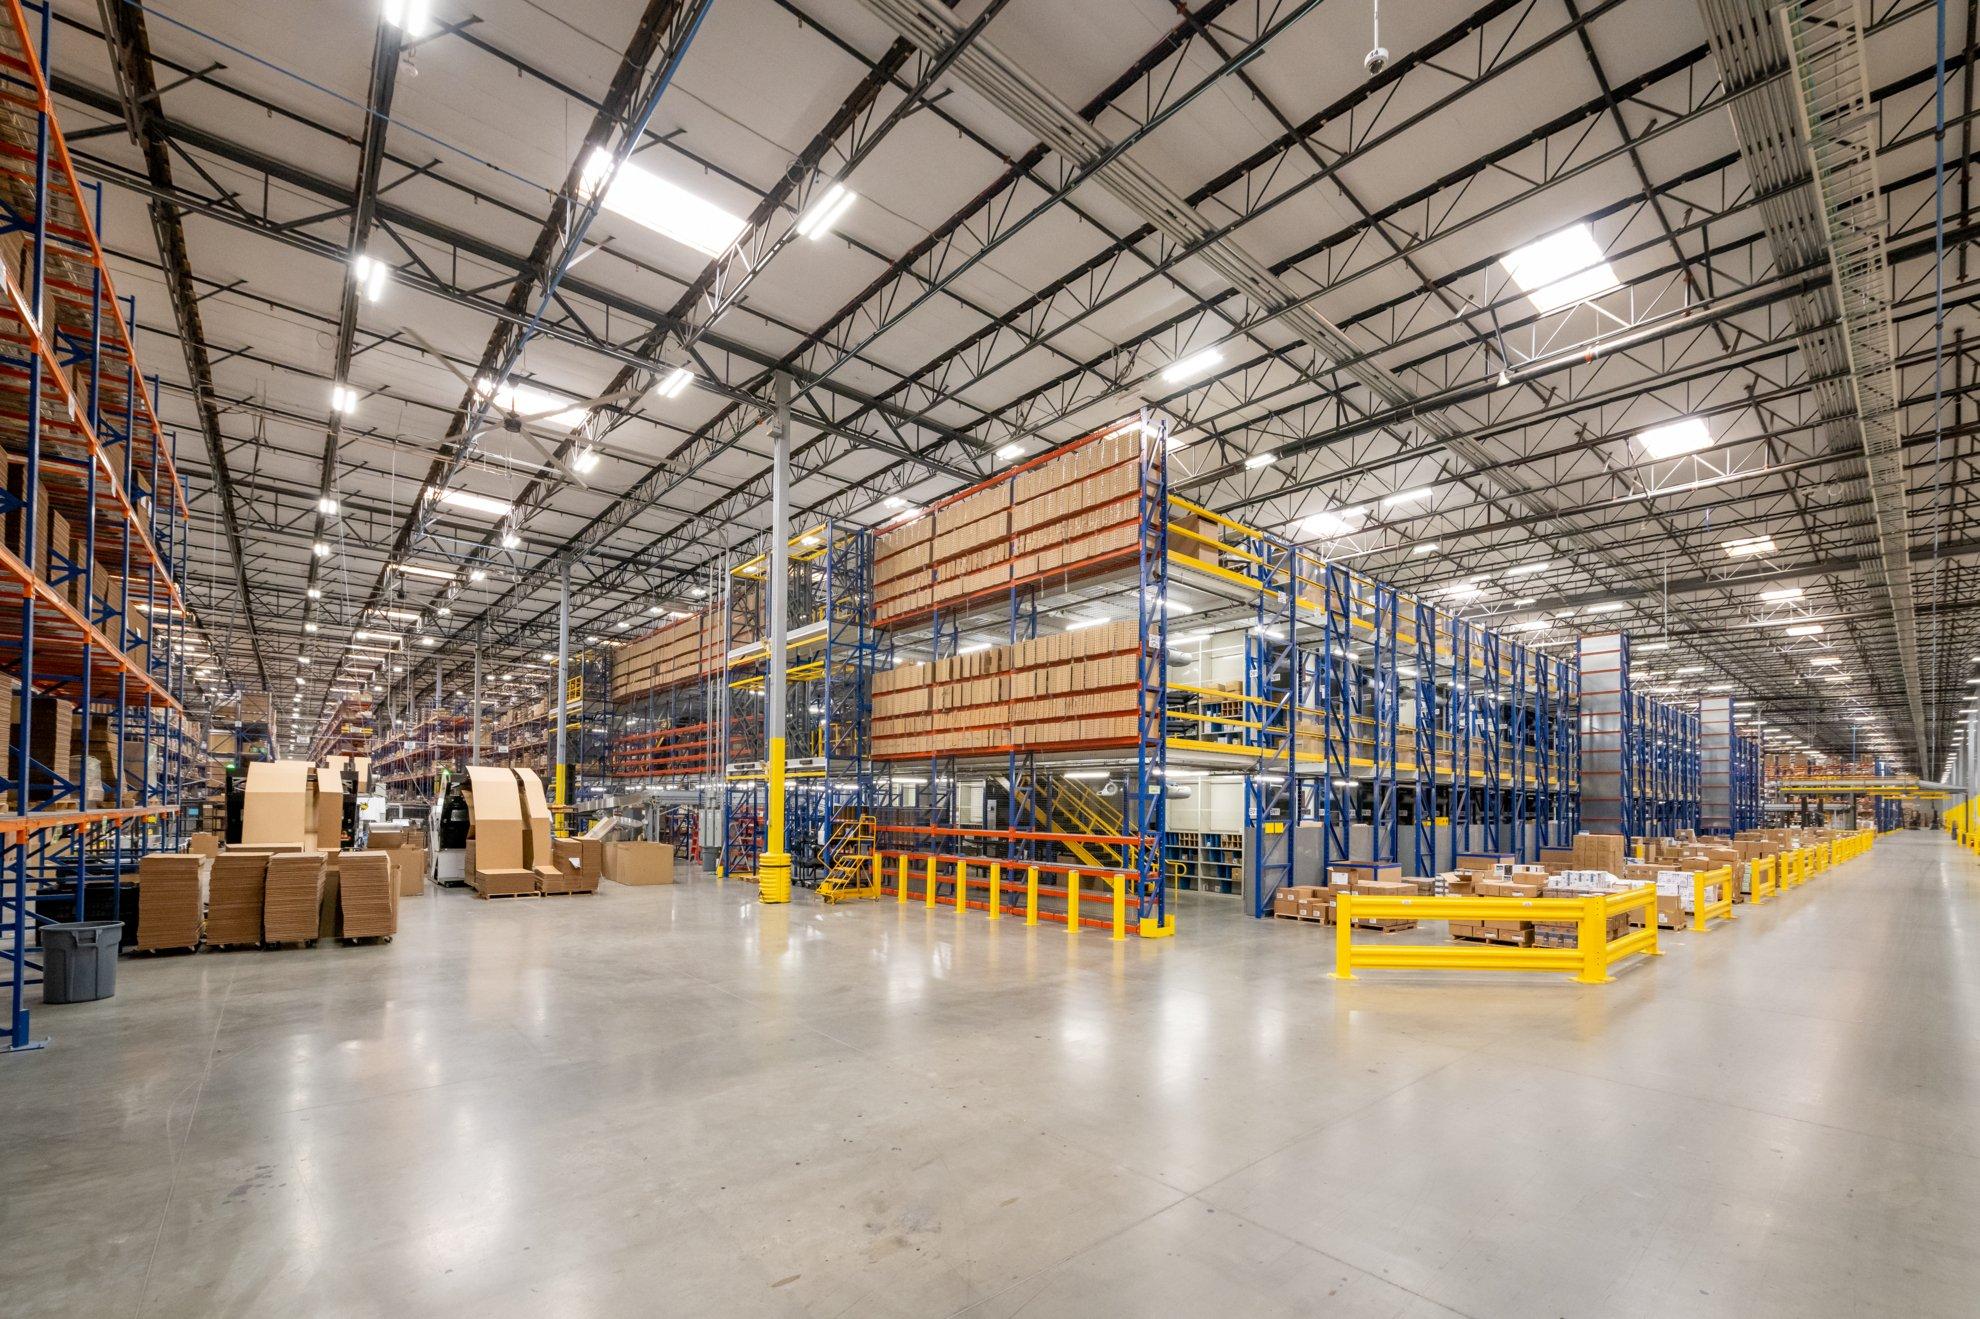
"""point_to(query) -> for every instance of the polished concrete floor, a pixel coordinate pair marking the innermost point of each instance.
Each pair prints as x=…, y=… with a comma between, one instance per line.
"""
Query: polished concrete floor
x=674, y=1102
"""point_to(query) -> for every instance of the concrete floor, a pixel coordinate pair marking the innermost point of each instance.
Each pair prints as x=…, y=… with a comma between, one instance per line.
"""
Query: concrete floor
x=675, y=1102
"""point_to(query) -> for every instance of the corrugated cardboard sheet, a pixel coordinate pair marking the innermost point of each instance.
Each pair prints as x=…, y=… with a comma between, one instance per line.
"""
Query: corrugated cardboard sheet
x=495, y=807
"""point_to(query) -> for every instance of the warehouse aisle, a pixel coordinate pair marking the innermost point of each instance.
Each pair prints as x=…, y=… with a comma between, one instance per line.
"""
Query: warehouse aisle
x=675, y=1102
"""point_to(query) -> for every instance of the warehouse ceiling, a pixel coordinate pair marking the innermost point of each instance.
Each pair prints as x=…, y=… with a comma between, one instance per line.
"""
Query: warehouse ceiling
x=1650, y=421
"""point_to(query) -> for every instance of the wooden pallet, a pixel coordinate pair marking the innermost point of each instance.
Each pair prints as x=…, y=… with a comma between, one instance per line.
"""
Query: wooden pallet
x=290, y=943
x=233, y=947
x=1488, y=939
x=490, y=896
x=366, y=940
x=150, y=952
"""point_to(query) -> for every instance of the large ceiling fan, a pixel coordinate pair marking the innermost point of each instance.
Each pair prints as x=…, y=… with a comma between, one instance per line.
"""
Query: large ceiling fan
x=502, y=417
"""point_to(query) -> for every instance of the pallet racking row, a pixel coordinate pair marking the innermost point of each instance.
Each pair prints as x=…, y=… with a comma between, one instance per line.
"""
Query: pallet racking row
x=100, y=753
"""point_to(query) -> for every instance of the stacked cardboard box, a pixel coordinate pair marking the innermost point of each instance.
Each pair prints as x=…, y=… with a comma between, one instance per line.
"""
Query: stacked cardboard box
x=171, y=900
x=1484, y=885
x=901, y=575
x=1579, y=884
x=368, y=903
x=52, y=724
x=1600, y=852
x=292, y=897
x=236, y=896
x=582, y=861
x=679, y=650
x=1384, y=888
x=1304, y=902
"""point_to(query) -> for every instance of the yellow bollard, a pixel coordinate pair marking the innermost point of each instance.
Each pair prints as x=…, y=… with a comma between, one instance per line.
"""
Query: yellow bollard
x=996, y=890
x=931, y=881
x=1031, y=895
x=1072, y=902
x=1343, y=937
x=901, y=894
x=1120, y=906
x=1593, y=937
x=962, y=886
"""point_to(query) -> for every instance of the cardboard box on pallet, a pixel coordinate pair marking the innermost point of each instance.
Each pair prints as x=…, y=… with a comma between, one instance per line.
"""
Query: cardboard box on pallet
x=1384, y=888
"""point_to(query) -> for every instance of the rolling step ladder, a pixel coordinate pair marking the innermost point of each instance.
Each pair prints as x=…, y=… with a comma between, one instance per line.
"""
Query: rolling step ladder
x=851, y=850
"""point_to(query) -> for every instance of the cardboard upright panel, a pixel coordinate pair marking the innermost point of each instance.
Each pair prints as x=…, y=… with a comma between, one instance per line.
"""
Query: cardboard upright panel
x=330, y=804
x=497, y=818
x=536, y=819
x=363, y=764
x=278, y=803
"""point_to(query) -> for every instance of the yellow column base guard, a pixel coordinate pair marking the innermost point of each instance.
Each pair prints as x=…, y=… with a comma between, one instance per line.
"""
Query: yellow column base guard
x=1163, y=930
x=773, y=877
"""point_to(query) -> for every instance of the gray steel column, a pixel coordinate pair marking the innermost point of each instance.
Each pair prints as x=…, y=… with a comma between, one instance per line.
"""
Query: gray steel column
x=559, y=693
x=474, y=736
x=774, y=871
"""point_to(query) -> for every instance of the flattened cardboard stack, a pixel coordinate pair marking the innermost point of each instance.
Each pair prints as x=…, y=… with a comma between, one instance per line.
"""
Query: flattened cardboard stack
x=171, y=900
x=235, y=898
x=496, y=833
x=291, y=897
x=367, y=900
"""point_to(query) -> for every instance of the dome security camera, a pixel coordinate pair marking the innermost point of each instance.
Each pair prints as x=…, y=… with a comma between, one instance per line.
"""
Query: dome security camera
x=1375, y=60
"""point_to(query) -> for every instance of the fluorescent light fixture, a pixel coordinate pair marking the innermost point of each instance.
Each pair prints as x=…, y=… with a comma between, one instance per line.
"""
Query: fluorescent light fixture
x=585, y=460
x=409, y=16
x=827, y=211
x=370, y=275
x=1653, y=645
x=1606, y=607
x=895, y=501
x=1078, y=623
x=1408, y=496
x=401, y=615
x=473, y=503
x=302, y=659
x=343, y=399
x=1526, y=600
x=654, y=610
x=327, y=506
x=1331, y=522
x=648, y=199
x=675, y=382
x=321, y=549
x=1010, y=451
x=1528, y=569
x=1184, y=368
x=1689, y=668
x=1782, y=593
x=1688, y=435
x=477, y=574
x=1805, y=630
x=427, y=641
x=1429, y=547
x=1825, y=661
x=422, y=570
x=1465, y=590
x=1747, y=547
x=309, y=627
x=1258, y=460
x=510, y=540
x=1561, y=269
x=1088, y=774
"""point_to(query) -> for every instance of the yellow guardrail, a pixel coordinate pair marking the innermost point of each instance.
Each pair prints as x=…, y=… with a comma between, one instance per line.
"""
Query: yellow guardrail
x=1588, y=961
x=1824, y=857
x=1763, y=877
x=1719, y=909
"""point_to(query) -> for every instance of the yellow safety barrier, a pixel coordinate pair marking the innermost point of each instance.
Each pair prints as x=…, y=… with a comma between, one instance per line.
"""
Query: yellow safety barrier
x=1588, y=961
x=1824, y=857
x=1763, y=877
x=1720, y=909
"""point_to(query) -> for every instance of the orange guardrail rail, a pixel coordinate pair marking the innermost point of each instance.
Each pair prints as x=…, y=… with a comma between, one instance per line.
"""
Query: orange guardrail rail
x=1006, y=876
x=1588, y=961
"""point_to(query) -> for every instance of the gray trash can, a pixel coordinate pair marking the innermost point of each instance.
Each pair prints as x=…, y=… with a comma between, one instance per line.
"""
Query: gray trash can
x=79, y=961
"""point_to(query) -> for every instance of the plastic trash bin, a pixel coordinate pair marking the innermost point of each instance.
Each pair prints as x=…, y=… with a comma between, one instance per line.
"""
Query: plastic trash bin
x=79, y=961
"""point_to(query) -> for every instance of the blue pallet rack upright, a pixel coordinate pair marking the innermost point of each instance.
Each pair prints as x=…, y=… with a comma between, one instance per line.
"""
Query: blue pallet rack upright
x=100, y=624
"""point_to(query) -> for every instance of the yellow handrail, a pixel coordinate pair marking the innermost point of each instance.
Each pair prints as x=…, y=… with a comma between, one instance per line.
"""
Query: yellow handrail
x=1720, y=909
